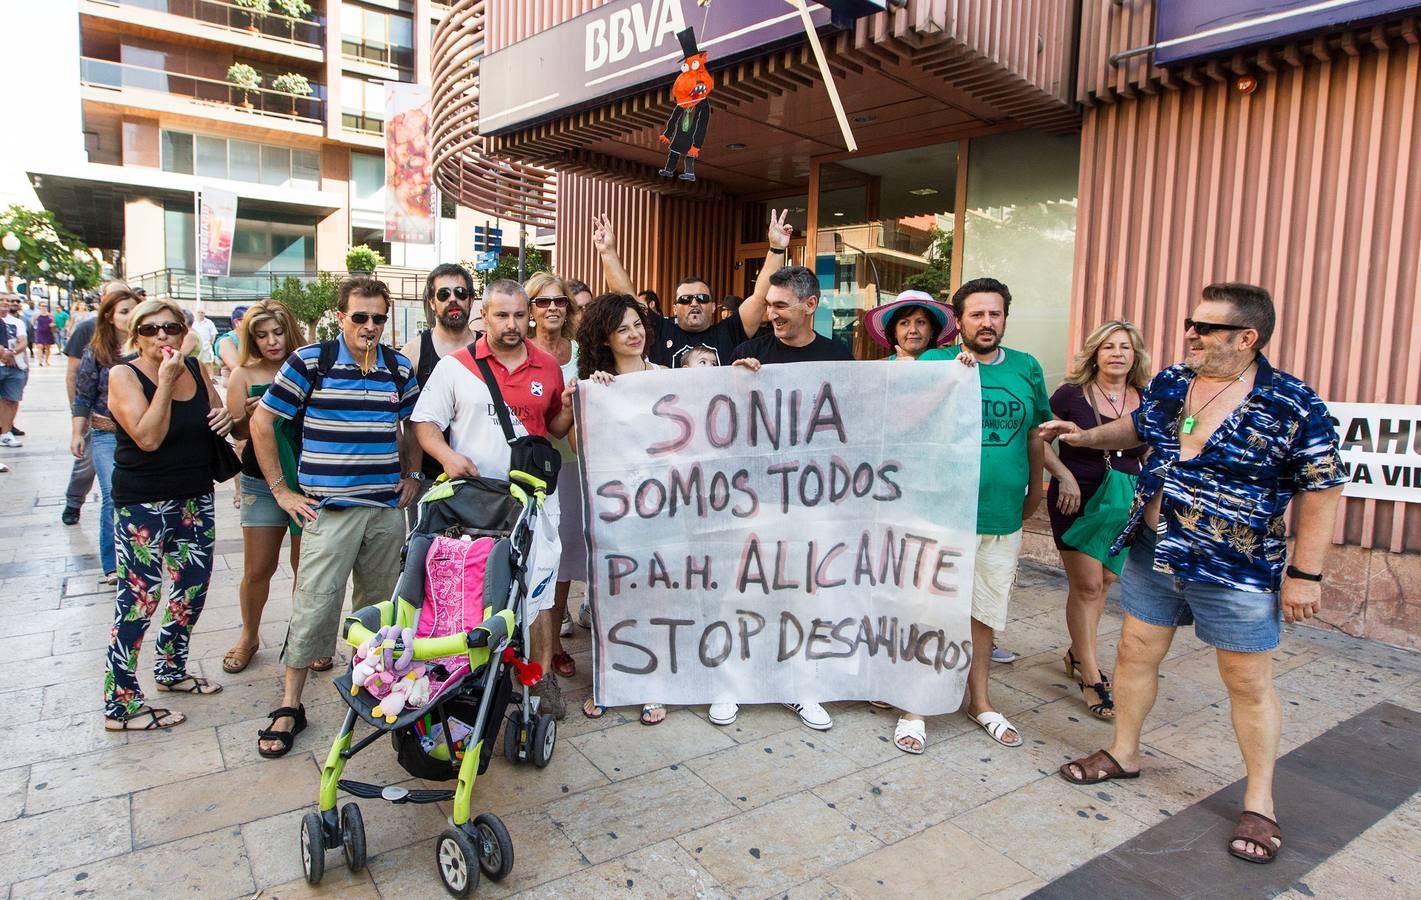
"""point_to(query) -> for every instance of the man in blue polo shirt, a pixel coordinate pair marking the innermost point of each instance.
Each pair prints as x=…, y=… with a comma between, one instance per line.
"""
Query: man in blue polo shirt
x=357, y=470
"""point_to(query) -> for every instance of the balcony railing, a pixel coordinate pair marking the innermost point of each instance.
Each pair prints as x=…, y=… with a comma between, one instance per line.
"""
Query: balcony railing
x=380, y=54
x=234, y=18
x=262, y=101
x=363, y=123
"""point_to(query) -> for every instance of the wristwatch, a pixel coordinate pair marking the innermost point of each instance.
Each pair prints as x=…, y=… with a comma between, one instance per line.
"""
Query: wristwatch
x=417, y=476
x=1295, y=572
x=781, y=251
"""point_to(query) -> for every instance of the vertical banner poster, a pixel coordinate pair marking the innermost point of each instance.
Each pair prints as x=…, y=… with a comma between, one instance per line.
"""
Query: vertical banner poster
x=805, y=532
x=409, y=168
x=216, y=222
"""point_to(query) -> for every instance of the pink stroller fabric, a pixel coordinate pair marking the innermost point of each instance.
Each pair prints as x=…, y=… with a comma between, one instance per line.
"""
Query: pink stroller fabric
x=453, y=597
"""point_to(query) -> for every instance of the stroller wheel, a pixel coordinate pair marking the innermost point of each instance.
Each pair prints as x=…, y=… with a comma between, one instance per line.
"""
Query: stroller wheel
x=512, y=738
x=458, y=862
x=545, y=738
x=495, y=846
x=313, y=847
x=352, y=836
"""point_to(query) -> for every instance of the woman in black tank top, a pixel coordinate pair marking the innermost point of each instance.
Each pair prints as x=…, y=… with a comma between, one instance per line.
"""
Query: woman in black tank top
x=165, y=410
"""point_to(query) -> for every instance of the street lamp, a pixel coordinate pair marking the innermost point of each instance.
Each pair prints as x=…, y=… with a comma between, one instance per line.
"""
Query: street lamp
x=12, y=246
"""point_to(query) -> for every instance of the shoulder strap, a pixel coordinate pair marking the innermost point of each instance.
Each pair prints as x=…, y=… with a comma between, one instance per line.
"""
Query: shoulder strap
x=392, y=362
x=492, y=384
x=1090, y=401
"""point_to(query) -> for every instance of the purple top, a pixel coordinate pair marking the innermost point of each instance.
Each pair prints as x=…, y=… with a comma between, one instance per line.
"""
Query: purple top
x=1087, y=465
x=44, y=329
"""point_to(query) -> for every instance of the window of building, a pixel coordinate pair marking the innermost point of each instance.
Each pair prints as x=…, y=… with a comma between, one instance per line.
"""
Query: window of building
x=244, y=161
x=362, y=105
x=217, y=157
x=264, y=244
x=177, y=152
x=375, y=36
x=367, y=176
x=211, y=157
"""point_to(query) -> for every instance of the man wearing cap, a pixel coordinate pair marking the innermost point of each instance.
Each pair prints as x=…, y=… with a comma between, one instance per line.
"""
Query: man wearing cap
x=695, y=324
x=226, y=346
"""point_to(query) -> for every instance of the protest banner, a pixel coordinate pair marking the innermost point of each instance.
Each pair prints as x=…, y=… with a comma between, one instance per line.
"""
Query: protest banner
x=216, y=224
x=805, y=532
x=1381, y=449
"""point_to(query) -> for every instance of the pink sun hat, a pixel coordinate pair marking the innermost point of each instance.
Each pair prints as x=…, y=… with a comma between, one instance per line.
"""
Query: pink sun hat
x=876, y=322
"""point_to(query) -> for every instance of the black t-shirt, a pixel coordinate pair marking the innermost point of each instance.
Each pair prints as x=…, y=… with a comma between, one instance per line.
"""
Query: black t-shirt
x=672, y=341
x=769, y=350
x=80, y=337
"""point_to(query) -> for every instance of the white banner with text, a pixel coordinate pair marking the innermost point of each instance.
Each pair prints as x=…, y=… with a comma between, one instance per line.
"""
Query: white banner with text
x=1381, y=449
x=805, y=532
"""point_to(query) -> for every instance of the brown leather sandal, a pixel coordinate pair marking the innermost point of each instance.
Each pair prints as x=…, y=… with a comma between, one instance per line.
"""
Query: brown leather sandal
x=323, y=664
x=1099, y=766
x=1260, y=831
x=237, y=659
x=564, y=664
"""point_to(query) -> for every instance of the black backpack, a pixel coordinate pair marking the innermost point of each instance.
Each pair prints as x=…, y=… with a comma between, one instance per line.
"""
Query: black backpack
x=330, y=351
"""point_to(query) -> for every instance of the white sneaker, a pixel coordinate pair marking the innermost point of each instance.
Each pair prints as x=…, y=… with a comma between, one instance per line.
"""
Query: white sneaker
x=566, y=630
x=584, y=615
x=723, y=713
x=812, y=715
x=9, y=440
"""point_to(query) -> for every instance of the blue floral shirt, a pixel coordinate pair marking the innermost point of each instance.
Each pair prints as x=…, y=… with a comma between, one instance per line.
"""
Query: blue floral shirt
x=91, y=387
x=1223, y=510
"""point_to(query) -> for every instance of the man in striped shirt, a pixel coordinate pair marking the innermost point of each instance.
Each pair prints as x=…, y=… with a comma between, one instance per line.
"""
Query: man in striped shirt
x=357, y=470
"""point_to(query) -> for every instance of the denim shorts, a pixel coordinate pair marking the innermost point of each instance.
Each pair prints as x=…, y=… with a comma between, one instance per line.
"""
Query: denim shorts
x=12, y=383
x=259, y=507
x=1223, y=617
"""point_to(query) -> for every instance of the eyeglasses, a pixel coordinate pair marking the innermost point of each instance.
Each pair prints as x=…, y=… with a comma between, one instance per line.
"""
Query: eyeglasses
x=151, y=329
x=688, y=299
x=545, y=302
x=1205, y=328
x=360, y=318
x=442, y=295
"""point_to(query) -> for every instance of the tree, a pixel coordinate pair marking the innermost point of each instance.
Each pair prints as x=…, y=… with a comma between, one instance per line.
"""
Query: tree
x=310, y=303
x=255, y=10
x=295, y=9
x=363, y=259
x=507, y=267
x=293, y=84
x=245, y=79
x=43, y=239
x=936, y=279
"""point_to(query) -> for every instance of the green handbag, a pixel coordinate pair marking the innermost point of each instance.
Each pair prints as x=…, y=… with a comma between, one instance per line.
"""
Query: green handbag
x=1103, y=517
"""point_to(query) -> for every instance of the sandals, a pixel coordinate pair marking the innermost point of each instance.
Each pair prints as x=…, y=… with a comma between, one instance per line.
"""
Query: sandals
x=1073, y=670
x=879, y=704
x=910, y=729
x=237, y=659
x=287, y=738
x=592, y=711
x=1105, y=709
x=1099, y=766
x=195, y=685
x=1259, y=830
x=156, y=718
x=651, y=709
x=323, y=664
x=996, y=725
x=564, y=665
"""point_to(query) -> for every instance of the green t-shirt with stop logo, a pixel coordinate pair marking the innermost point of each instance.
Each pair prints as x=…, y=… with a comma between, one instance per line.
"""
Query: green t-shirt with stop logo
x=1014, y=401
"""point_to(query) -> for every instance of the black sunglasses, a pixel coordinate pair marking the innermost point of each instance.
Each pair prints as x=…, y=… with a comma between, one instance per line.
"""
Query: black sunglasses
x=545, y=302
x=360, y=318
x=688, y=299
x=442, y=295
x=149, y=329
x=1205, y=328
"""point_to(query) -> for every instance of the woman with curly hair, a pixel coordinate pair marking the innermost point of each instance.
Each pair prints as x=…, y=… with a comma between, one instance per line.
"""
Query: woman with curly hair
x=612, y=341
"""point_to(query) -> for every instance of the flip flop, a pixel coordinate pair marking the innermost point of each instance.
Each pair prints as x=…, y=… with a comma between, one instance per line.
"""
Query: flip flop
x=651, y=709
x=323, y=664
x=564, y=664
x=996, y=724
x=1100, y=762
x=195, y=685
x=157, y=718
x=237, y=659
x=592, y=710
x=915, y=729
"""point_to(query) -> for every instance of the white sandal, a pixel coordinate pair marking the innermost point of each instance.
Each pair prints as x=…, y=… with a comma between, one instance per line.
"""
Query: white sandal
x=996, y=724
x=915, y=729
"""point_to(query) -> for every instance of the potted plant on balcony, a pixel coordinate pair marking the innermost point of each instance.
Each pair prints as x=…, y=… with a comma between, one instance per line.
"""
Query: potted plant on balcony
x=255, y=10
x=293, y=10
x=362, y=259
x=293, y=84
x=245, y=79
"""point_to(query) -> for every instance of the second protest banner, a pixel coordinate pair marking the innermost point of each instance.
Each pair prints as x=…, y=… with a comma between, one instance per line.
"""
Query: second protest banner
x=805, y=532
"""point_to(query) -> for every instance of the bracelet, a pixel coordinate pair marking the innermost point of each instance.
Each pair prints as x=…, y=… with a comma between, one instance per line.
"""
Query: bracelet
x=276, y=483
x=780, y=251
x=1295, y=572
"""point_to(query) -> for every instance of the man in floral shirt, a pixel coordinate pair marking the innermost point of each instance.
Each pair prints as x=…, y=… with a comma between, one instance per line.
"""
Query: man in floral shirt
x=1232, y=442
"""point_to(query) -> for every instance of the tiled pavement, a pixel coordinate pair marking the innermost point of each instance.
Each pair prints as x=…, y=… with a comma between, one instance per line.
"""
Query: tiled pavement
x=764, y=808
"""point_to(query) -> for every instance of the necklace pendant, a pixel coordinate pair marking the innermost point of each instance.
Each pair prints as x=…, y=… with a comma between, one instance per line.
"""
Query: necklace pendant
x=1188, y=425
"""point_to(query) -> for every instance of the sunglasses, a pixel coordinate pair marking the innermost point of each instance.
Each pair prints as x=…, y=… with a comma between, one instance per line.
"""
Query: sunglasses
x=442, y=295
x=360, y=318
x=545, y=302
x=1205, y=328
x=151, y=329
x=688, y=299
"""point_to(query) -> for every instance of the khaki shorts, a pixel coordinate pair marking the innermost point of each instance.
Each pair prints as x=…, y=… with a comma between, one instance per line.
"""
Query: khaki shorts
x=993, y=575
x=363, y=542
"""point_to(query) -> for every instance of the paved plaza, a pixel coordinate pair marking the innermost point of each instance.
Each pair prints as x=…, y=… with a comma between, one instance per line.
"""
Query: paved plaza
x=763, y=808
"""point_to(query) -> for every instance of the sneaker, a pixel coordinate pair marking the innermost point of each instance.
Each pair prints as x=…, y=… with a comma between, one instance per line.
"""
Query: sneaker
x=549, y=694
x=1002, y=656
x=584, y=615
x=70, y=516
x=16, y=431
x=813, y=715
x=723, y=713
x=9, y=440
x=566, y=630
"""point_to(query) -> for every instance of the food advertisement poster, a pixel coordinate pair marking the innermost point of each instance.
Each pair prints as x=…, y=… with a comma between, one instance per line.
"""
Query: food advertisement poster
x=409, y=169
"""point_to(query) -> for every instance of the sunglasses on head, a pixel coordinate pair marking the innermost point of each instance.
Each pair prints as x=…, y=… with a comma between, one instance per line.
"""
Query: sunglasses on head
x=151, y=329
x=688, y=299
x=360, y=318
x=442, y=295
x=1204, y=328
x=545, y=302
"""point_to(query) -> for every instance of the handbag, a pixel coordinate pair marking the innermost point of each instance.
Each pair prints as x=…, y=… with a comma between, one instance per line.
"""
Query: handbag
x=1099, y=523
x=530, y=454
x=226, y=465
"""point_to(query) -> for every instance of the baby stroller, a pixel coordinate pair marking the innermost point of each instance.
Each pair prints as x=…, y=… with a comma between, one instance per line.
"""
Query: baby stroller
x=471, y=635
